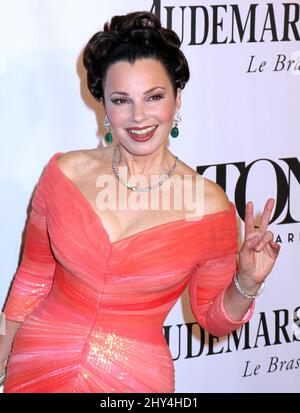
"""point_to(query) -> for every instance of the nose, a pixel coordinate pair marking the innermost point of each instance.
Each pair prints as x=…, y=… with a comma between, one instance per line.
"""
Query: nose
x=138, y=113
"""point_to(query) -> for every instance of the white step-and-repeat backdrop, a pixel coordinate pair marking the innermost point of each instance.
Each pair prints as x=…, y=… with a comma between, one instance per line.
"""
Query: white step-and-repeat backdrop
x=240, y=128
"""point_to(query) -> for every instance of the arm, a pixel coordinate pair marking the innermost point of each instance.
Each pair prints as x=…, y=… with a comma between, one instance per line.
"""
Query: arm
x=34, y=276
x=235, y=304
x=256, y=259
x=215, y=303
x=209, y=292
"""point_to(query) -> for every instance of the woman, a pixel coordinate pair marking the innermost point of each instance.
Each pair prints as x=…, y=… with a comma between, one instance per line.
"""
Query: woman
x=88, y=302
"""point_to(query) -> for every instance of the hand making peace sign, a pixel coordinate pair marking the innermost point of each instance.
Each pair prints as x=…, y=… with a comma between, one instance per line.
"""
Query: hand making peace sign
x=258, y=253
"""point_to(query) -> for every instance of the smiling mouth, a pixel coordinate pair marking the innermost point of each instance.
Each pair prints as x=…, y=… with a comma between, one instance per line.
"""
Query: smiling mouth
x=141, y=134
x=142, y=131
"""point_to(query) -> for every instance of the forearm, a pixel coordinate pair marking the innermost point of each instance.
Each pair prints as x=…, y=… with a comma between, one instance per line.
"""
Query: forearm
x=6, y=340
x=235, y=304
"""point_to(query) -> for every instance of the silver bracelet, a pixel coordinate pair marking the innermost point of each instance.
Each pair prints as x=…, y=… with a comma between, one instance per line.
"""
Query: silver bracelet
x=242, y=292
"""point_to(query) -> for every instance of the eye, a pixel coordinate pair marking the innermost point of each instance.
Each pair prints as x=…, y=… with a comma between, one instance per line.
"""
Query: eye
x=156, y=97
x=118, y=101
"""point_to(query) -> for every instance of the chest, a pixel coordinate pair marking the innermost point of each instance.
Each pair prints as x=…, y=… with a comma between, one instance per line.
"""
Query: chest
x=124, y=212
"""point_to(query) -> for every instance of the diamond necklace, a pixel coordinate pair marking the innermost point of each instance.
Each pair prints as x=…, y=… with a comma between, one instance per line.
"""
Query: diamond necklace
x=136, y=188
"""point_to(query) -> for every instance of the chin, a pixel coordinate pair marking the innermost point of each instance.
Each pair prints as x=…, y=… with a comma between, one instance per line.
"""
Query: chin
x=142, y=148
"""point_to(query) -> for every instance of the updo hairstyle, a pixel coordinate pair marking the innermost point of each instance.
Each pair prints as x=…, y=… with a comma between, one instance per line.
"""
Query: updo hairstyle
x=130, y=37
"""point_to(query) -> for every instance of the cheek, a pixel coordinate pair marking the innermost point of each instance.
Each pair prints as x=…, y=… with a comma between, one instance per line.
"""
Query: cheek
x=116, y=116
x=165, y=113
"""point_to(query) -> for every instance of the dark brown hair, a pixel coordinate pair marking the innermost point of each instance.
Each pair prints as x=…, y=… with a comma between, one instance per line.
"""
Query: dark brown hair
x=130, y=37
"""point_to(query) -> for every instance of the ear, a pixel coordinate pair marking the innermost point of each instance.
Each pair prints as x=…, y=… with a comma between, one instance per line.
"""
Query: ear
x=178, y=99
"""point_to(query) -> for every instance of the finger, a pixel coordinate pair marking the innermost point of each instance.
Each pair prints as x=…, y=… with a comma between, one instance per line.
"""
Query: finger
x=249, y=220
x=266, y=239
x=250, y=243
x=271, y=250
x=265, y=218
x=275, y=247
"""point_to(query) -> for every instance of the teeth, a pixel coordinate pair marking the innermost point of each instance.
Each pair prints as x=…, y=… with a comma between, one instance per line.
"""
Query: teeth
x=142, y=131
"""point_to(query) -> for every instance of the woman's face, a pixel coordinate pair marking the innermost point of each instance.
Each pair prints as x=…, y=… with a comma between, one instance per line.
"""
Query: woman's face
x=140, y=104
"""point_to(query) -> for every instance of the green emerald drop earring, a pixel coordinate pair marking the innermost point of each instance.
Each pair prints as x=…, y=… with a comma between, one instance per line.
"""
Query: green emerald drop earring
x=175, y=130
x=108, y=135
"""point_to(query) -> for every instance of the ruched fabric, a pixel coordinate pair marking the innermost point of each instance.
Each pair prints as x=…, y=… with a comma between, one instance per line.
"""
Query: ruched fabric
x=92, y=310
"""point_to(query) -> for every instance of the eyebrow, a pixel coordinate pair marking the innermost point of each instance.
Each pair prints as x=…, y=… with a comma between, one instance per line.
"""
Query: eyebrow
x=147, y=91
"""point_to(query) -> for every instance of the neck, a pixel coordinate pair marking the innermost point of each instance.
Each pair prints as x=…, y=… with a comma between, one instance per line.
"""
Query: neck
x=157, y=163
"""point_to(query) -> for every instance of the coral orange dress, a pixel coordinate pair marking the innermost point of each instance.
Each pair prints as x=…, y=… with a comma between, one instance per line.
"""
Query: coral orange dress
x=92, y=310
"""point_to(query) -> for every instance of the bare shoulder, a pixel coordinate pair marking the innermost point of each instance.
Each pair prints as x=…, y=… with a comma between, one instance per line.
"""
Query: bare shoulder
x=215, y=198
x=78, y=161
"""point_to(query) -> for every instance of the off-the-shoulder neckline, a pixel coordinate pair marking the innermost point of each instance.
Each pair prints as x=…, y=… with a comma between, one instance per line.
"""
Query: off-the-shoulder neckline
x=214, y=215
